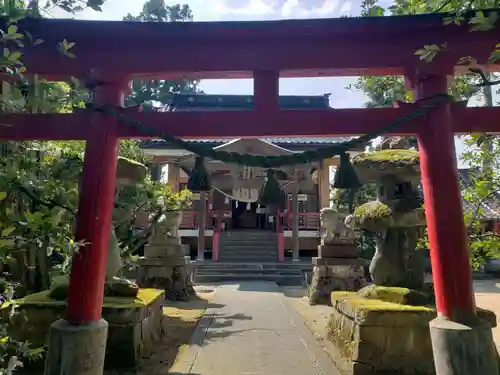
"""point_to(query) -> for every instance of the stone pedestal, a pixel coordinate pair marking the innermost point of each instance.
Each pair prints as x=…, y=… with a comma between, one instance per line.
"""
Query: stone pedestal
x=463, y=349
x=164, y=266
x=377, y=332
x=337, y=268
x=76, y=349
x=133, y=329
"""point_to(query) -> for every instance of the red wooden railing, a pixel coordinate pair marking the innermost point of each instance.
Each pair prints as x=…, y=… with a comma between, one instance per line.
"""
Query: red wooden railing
x=219, y=227
x=307, y=220
x=280, y=237
x=191, y=219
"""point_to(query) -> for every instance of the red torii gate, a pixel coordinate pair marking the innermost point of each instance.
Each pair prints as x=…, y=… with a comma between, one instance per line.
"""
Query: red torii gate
x=121, y=51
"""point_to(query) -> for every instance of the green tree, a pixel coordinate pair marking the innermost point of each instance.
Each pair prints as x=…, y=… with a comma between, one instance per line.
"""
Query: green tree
x=383, y=91
x=159, y=90
x=39, y=180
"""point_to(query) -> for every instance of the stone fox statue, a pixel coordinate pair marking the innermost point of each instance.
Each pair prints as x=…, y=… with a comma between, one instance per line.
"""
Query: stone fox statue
x=114, y=285
x=333, y=227
x=114, y=263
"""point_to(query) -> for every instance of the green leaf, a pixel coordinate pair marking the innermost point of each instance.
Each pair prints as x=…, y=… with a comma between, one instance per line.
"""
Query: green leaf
x=3, y=195
x=8, y=231
x=12, y=29
x=14, y=56
x=7, y=243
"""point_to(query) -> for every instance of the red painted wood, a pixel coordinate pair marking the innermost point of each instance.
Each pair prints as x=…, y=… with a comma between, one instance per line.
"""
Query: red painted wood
x=190, y=219
x=291, y=123
x=311, y=220
x=215, y=246
x=318, y=47
x=451, y=269
x=266, y=91
x=97, y=192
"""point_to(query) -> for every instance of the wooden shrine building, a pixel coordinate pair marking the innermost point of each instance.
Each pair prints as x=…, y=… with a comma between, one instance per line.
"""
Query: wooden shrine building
x=232, y=203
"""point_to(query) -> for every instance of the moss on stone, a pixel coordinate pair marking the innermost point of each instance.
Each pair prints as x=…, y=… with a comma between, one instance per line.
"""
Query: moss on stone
x=402, y=296
x=399, y=156
x=117, y=287
x=373, y=210
x=371, y=303
x=374, y=216
x=144, y=298
x=130, y=169
x=368, y=304
x=375, y=327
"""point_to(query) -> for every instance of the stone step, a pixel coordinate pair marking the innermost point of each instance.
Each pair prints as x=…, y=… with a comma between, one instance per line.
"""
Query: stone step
x=248, y=250
x=253, y=265
x=247, y=243
x=225, y=265
x=248, y=271
x=244, y=260
x=257, y=256
x=261, y=233
x=248, y=235
x=250, y=238
x=289, y=280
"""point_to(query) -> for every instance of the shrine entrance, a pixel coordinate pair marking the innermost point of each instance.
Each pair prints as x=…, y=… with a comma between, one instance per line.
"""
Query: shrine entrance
x=248, y=216
x=266, y=51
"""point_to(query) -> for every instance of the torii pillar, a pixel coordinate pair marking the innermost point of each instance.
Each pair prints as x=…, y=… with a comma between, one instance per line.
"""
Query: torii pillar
x=461, y=343
x=77, y=344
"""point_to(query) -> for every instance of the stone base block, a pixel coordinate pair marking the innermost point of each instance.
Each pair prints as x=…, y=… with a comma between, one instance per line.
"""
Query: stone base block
x=327, y=278
x=378, y=336
x=174, y=279
x=161, y=262
x=338, y=251
x=134, y=324
x=463, y=349
x=76, y=350
x=166, y=240
x=317, y=261
x=162, y=250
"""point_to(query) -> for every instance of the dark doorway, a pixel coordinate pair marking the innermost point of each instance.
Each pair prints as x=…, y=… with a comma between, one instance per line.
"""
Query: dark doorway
x=247, y=216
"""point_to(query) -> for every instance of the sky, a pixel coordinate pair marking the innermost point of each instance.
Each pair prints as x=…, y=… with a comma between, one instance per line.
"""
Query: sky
x=241, y=10
x=245, y=10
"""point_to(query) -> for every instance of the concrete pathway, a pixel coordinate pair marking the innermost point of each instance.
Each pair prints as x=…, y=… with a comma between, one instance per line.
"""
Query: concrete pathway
x=252, y=329
x=488, y=297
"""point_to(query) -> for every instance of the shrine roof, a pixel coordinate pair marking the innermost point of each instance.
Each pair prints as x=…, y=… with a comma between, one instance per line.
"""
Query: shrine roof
x=281, y=142
x=488, y=209
x=208, y=102
x=193, y=102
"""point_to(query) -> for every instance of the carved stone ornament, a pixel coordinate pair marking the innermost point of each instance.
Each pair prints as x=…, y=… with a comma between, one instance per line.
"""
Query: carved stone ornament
x=334, y=230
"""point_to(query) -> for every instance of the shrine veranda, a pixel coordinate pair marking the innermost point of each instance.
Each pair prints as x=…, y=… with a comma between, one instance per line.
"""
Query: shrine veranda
x=114, y=53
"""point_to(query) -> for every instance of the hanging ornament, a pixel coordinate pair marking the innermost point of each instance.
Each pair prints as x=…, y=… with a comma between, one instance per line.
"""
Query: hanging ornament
x=272, y=194
x=226, y=200
x=236, y=204
x=199, y=179
x=345, y=175
x=249, y=206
